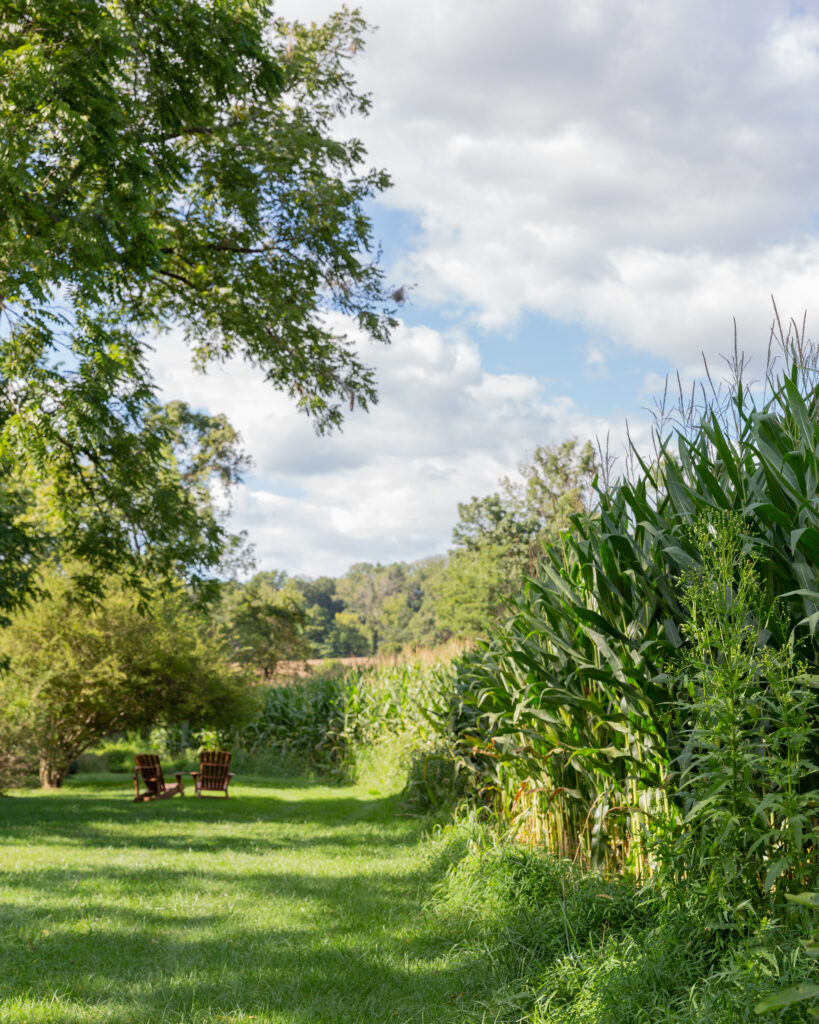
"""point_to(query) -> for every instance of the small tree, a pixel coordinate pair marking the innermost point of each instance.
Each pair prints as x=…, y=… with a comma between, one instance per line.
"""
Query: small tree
x=264, y=622
x=498, y=538
x=76, y=674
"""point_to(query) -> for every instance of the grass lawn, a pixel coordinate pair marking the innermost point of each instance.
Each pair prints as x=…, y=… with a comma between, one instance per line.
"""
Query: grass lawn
x=290, y=902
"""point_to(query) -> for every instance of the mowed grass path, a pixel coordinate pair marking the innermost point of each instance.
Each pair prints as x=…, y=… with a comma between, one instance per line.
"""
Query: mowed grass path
x=286, y=903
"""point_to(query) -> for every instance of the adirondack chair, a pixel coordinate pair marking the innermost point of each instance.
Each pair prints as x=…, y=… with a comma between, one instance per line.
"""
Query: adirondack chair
x=149, y=771
x=213, y=775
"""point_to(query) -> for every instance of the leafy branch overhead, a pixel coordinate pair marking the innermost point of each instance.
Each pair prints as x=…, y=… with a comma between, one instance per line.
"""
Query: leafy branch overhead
x=168, y=163
x=175, y=166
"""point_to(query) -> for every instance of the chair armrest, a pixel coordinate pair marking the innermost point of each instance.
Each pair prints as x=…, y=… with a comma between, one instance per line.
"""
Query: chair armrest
x=194, y=774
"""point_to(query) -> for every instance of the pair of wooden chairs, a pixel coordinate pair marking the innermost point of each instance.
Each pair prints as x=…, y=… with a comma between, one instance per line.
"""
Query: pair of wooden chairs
x=213, y=776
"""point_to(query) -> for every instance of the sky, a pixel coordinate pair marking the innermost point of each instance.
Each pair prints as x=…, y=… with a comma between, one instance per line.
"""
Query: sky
x=586, y=195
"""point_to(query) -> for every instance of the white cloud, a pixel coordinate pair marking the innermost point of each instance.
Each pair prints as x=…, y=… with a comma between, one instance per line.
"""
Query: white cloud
x=644, y=170
x=388, y=487
x=647, y=170
x=794, y=51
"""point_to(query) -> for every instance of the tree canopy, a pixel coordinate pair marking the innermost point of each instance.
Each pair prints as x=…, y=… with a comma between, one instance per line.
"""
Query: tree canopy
x=171, y=165
x=263, y=621
x=499, y=537
x=76, y=674
x=145, y=527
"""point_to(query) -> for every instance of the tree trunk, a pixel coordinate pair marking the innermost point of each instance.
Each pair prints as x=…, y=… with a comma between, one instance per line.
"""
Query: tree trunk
x=51, y=777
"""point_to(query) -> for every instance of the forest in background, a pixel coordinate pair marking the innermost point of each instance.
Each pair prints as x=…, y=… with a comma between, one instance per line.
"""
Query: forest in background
x=384, y=609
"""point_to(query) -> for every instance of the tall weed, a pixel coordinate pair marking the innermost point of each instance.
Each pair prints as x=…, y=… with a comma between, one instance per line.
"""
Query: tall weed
x=744, y=775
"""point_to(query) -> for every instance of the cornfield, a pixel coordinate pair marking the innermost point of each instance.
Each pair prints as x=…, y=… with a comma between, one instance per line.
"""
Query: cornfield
x=324, y=719
x=563, y=717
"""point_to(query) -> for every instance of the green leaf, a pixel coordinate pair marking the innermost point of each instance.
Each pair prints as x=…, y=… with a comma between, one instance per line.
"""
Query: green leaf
x=786, y=997
x=774, y=871
x=804, y=899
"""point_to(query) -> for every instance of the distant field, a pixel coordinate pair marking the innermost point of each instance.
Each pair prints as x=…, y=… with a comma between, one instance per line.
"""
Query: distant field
x=445, y=652
x=288, y=669
x=291, y=904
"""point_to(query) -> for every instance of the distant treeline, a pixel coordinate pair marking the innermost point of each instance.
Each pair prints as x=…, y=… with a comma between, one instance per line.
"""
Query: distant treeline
x=386, y=608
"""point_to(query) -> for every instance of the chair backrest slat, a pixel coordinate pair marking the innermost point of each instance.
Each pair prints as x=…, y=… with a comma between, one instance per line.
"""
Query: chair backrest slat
x=213, y=768
x=150, y=769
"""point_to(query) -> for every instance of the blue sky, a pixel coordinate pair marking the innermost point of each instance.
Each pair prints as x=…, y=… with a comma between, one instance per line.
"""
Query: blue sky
x=585, y=194
x=566, y=357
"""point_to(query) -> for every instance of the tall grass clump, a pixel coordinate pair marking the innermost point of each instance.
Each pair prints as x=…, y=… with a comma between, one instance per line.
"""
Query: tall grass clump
x=564, y=717
x=563, y=945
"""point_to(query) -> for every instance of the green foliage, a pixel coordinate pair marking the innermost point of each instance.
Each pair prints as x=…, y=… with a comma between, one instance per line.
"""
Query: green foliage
x=17, y=758
x=559, y=483
x=545, y=905
x=168, y=166
x=497, y=538
x=574, y=947
x=263, y=622
x=77, y=674
x=364, y=589
x=806, y=990
x=112, y=755
x=469, y=595
x=148, y=504
x=496, y=522
x=325, y=719
x=563, y=712
x=320, y=607
x=372, y=609
x=745, y=716
x=22, y=548
x=434, y=779
x=176, y=163
x=346, y=637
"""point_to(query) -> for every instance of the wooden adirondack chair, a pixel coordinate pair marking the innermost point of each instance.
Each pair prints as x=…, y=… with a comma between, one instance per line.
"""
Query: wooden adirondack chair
x=213, y=775
x=149, y=770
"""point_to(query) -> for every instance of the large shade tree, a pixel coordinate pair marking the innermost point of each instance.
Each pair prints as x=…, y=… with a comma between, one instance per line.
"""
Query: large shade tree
x=168, y=164
x=76, y=674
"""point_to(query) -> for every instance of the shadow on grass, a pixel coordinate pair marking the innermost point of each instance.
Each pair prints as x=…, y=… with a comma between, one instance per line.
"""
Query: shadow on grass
x=327, y=924
x=237, y=824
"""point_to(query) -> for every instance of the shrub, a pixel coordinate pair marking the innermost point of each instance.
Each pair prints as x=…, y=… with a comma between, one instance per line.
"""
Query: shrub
x=77, y=675
x=17, y=759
